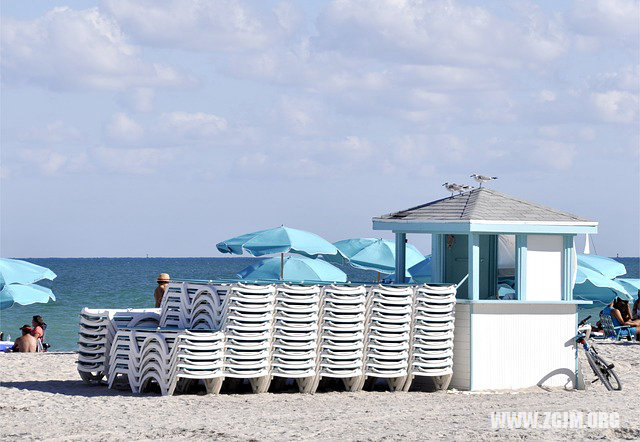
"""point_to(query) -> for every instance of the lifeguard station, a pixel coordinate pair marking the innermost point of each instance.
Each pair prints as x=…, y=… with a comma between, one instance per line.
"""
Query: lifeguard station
x=501, y=344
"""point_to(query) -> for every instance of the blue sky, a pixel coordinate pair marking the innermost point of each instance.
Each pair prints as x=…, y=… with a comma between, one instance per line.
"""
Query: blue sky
x=163, y=127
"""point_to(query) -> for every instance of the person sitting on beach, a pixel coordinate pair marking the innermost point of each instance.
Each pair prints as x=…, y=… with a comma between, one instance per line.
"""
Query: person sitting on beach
x=26, y=343
x=618, y=309
x=38, y=327
x=163, y=280
x=636, y=307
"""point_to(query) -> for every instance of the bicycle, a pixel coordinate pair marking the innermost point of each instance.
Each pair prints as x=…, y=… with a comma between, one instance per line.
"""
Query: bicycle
x=603, y=370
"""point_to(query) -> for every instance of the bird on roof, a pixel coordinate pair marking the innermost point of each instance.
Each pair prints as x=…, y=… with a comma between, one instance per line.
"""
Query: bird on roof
x=452, y=187
x=465, y=188
x=482, y=178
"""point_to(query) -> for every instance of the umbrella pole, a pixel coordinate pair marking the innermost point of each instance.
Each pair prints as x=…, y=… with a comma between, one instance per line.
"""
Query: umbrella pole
x=378, y=276
x=281, y=266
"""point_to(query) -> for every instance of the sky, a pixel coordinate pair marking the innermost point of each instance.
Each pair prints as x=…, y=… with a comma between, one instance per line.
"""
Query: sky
x=163, y=127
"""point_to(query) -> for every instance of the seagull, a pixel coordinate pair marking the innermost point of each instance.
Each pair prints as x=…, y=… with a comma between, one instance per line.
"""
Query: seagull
x=465, y=188
x=452, y=187
x=483, y=179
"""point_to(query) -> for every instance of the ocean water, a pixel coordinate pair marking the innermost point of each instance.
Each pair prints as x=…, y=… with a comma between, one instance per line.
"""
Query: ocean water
x=129, y=283
x=115, y=283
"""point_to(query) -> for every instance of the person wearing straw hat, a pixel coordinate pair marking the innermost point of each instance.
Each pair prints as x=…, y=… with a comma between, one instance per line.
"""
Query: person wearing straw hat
x=163, y=280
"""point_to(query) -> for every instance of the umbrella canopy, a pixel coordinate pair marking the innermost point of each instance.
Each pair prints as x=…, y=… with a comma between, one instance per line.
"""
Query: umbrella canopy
x=374, y=254
x=632, y=285
x=278, y=240
x=16, y=271
x=16, y=283
x=607, y=267
x=593, y=286
x=421, y=272
x=24, y=295
x=294, y=269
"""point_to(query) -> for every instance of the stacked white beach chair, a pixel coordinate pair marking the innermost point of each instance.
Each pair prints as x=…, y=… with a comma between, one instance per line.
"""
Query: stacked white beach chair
x=341, y=335
x=97, y=330
x=432, y=332
x=295, y=334
x=192, y=305
x=248, y=330
x=388, y=337
x=210, y=332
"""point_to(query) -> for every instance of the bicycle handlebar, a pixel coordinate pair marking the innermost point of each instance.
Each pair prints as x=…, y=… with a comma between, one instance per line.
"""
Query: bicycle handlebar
x=584, y=321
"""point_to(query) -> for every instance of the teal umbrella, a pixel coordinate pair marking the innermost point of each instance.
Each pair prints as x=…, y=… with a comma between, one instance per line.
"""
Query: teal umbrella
x=607, y=267
x=593, y=286
x=24, y=295
x=278, y=240
x=294, y=269
x=421, y=272
x=374, y=254
x=632, y=285
x=16, y=283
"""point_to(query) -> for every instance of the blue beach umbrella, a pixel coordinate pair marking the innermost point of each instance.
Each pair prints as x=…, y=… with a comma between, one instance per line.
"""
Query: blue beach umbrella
x=294, y=269
x=607, y=267
x=421, y=272
x=24, y=295
x=632, y=285
x=278, y=240
x=16, y=283
x=374, y=254
x=593, y=286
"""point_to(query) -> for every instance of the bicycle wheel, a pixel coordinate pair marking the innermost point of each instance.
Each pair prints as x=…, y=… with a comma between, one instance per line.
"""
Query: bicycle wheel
x=600, y=368
x=609, y=373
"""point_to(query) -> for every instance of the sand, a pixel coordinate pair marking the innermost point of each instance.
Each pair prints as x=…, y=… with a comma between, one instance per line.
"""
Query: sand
x=42, y=397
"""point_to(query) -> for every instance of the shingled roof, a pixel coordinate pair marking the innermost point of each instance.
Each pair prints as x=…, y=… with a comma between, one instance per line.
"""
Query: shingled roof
x=483, y=204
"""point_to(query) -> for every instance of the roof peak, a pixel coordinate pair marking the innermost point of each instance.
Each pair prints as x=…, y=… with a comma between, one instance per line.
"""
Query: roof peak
x=484, y=204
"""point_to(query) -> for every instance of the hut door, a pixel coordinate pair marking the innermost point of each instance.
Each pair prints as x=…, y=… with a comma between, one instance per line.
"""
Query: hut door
x=456, y=264
x=455, y=261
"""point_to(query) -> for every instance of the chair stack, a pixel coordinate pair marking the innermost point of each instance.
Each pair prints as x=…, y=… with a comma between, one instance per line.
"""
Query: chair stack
x=341, y=330
x=433, y=324
x=248, y=330
x=388, y=337
x=197, y=355
x=192, y=305
x=97, y=330
x=295, y=334
x=142, y=357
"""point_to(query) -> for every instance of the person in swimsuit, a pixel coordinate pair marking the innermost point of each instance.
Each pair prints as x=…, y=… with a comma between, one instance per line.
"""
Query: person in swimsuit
x=636, y=307
x=26, y=343
x=163, y=280
x=38, y=327
x=617, y=310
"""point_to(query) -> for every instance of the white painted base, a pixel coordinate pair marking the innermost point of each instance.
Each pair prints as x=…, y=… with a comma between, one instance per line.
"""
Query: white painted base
x=514, y=346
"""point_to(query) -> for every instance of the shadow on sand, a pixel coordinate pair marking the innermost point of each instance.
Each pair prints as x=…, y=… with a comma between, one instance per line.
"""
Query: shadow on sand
x=67, y=388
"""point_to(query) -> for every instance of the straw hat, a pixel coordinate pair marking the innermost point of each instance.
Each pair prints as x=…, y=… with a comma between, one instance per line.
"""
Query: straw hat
x=163, y=277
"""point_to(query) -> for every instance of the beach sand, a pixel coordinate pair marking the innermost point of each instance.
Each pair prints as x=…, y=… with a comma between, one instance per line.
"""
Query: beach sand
x=42, y=397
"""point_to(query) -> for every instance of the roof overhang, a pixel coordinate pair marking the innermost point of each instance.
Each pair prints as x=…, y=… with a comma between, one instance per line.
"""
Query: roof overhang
x=484, y=226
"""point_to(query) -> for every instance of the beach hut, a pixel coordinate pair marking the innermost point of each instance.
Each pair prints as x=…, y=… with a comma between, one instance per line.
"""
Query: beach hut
x=500, y=343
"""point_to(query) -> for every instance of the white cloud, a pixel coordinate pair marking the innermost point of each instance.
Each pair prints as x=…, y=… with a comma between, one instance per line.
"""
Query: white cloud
x=138, y=99
x=546, y=96
x=617, y=106
x=194, y=125
x=121, y=127
x=138, y=161
x=53, y=132
x=224, y=25
x=67, y=49
x=51, y=162
x=356, y=148
x=440, y=32
x=553, y=154
x=617, y=19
